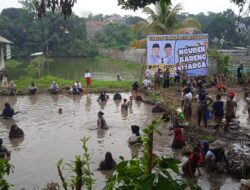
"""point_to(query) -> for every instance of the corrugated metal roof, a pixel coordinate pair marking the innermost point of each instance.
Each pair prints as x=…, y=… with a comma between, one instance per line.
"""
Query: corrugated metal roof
x=5, y=41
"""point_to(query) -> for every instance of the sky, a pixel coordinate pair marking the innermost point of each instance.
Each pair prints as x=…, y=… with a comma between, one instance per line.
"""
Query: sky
x=108, y=7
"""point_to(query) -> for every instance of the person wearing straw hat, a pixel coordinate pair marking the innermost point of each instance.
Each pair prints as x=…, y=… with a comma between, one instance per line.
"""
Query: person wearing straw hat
x=245, y=184
x=231, y=107
x=216, y=154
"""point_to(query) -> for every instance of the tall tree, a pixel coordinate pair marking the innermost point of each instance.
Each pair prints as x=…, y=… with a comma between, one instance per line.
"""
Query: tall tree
x=163, y=20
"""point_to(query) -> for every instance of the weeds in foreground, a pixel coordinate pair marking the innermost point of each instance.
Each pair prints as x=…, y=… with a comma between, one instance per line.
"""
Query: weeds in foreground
x=81, y=176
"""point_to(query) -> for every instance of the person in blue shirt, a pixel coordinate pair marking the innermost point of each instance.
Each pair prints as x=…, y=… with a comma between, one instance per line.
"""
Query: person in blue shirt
x=8, y=111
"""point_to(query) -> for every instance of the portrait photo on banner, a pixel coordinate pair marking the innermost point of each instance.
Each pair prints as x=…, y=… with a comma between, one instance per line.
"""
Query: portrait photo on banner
x=187, y=51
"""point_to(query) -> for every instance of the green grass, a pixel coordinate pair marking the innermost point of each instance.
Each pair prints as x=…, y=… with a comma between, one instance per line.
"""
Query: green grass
x=44, y=83
x=12, y=64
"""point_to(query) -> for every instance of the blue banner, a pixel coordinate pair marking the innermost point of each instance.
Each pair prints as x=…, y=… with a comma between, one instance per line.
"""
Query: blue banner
x=185, y=51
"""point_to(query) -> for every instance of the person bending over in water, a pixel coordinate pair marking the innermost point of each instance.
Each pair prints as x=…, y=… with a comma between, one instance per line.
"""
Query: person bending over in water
x=103, y=96
x=190, y=166
x=15, y=132
x=3, y=150
x=179, y=140
x=54, y=88
x=12, y=88
x=117, y=96
x=158, y=108
x=135, y=137
x=32, y=88
x=101, y=123
x=108, y=163
x=8, y=111
x=74, y=90
x=78, y=86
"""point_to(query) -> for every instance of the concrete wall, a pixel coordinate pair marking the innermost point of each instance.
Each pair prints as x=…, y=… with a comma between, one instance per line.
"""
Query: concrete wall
x=137, y=56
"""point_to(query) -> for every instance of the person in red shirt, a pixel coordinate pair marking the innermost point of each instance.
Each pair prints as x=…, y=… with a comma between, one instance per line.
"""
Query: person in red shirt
x=179, y=140
x=190, y=166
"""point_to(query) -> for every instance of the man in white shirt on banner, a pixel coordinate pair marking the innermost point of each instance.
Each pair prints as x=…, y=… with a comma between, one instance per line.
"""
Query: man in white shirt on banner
x=169, y=58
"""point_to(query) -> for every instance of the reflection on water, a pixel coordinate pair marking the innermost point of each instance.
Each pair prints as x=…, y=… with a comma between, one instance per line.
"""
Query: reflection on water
x=74, y=68
x=50, y=136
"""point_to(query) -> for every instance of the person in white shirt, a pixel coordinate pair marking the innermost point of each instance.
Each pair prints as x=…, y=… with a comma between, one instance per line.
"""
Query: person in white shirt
x=147, y=83
x=135, y=137
x=78, y=85
x=147, y=72
x=87, y=77
x=177, y=73
x=4, y=85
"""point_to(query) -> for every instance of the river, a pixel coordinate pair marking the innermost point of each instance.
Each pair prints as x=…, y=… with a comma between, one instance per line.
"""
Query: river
x=50, y=136
x=72, y=68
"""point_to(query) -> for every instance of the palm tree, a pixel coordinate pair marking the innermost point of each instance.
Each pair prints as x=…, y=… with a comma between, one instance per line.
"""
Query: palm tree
x=164, y=20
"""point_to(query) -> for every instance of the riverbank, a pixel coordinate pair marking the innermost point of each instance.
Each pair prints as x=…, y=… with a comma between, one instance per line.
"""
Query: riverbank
x=97, y=86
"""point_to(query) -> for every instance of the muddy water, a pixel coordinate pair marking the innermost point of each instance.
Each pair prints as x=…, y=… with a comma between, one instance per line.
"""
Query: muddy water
x=50, y=136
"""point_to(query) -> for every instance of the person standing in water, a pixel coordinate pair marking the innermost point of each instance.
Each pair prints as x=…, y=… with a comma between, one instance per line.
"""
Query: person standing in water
x=101, y=123
x=108, y=163
x=8, y=111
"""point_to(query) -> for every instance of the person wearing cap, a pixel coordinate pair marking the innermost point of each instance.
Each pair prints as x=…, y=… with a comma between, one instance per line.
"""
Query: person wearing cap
x=12, y=88
x=135, y=137
x=179, y=140
x=190, y=166
x=245, y=184
x=168, y=58
x=3, y=150
x=231, y=107
x=203, y=101
x=101, y=123
x=155, y=58
x=215, y=154
x=158, y=108
x=54, y=88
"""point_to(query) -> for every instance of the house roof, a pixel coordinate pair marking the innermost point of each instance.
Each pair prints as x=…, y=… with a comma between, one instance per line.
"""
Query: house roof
x=4, y=41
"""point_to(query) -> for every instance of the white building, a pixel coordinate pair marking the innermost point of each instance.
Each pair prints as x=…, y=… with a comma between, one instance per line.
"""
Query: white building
x=4, y=43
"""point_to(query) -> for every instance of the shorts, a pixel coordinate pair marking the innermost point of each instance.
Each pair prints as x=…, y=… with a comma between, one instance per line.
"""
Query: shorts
x=88, y=80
